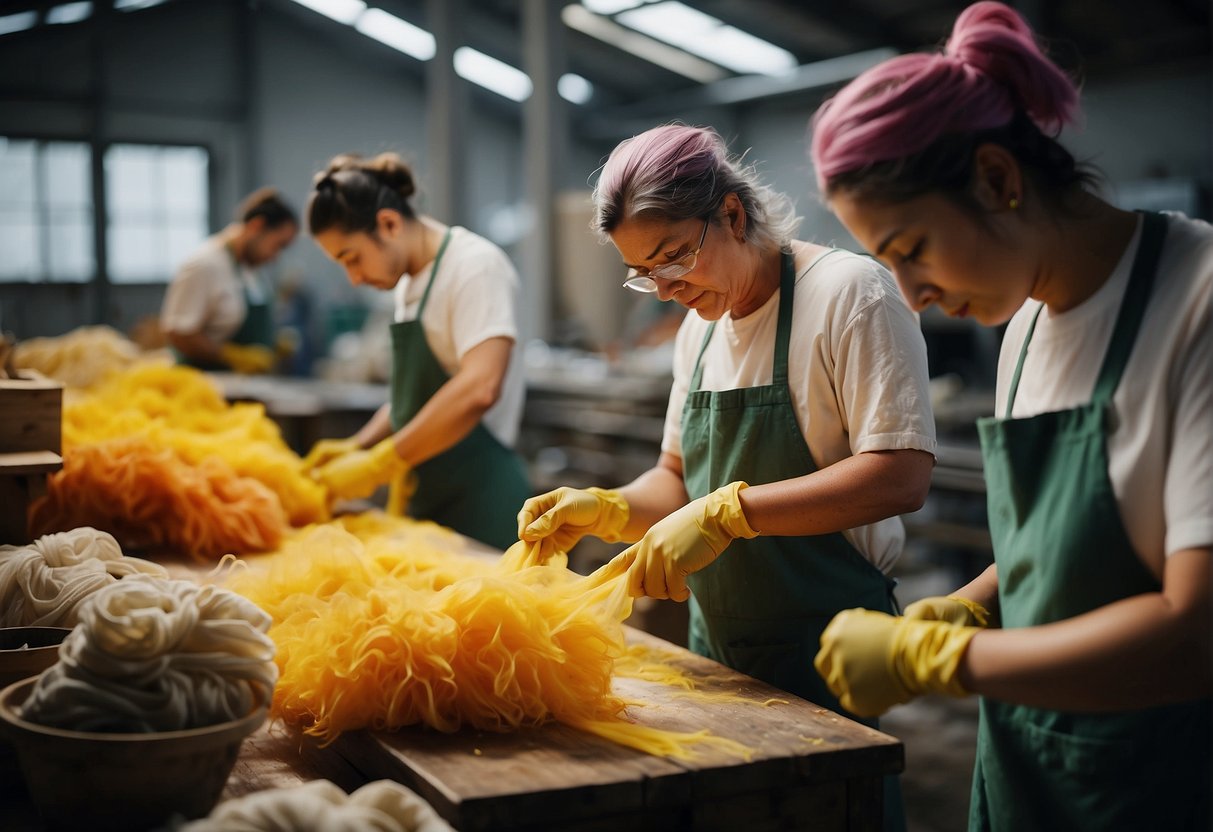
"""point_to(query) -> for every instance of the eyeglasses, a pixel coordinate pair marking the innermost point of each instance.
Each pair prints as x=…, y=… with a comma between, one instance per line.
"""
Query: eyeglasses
x=645, y=280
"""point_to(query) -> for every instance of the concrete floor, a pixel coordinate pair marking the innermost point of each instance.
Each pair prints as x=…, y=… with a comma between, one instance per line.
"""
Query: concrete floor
x=940, y=737
x=939, y=733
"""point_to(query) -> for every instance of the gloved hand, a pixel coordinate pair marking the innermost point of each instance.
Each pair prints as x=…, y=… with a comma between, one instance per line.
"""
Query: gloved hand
x=684, y=542
x=400, y=491
x=873, y=661
x=249, y=359
x=562, y=517
x=326, y=450
x=359, y=473
x=954, y=609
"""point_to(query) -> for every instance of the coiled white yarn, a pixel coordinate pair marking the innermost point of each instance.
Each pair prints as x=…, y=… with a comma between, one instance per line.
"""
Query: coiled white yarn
x=44, y=583
x=320, y=806
x=153, y=654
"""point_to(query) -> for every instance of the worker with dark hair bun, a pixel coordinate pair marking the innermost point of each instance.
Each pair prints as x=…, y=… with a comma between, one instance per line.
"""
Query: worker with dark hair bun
x=456, y=381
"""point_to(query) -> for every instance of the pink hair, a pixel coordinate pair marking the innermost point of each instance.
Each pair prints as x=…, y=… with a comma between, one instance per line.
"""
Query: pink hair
x=990, y=68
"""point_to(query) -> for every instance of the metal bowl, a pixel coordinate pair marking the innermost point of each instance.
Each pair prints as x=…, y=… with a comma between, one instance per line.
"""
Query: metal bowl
x=98, y=781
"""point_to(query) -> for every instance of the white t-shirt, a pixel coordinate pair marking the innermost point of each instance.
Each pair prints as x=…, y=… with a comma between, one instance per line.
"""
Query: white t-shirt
x=1160, y=454
x=207, y=294
x=857, y=369
x=474, y=300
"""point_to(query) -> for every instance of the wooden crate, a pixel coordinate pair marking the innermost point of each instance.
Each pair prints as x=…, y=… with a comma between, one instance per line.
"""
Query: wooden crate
x=31, y=430
x=31, y=413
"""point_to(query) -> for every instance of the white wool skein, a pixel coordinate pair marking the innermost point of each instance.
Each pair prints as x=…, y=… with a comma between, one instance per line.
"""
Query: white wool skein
x=153, y=654
x=320, y=806
x=44, y=584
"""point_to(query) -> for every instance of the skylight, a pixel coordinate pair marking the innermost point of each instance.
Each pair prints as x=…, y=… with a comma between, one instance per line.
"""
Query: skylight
x=665, y=56
x=69, y=13
x=343, y=11
x=573, y=88
x=610, y=6
x=19, y=22
x=492, y=74
x=396, y=33
x=706, y=36
x=135, y=5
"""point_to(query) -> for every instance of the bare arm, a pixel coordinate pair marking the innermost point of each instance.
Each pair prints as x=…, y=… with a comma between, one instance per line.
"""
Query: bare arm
x=458, y=405
x=196, y=346
x=377, y=427
x=653, y=495
x=984, y=590
x=1151, y=649
x=852, y=492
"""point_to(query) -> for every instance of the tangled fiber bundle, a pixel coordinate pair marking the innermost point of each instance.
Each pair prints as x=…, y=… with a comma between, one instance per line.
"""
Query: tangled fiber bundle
x=179, y=408
x=379, y=806
x=156, y=456
x=148, y=497
x=44, y=584
x=374, y=634
x=153, y=654
x=84, y=356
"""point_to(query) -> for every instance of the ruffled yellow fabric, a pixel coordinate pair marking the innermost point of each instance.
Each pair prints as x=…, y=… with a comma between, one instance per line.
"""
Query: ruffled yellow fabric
x=393, y=627
x=179, y=408
x=157, y=457
x=147, y=497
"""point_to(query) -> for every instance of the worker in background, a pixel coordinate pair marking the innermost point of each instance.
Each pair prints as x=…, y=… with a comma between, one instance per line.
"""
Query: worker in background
x=217, y=311
x=456, y=384
x=799, y=425
x=1089, y=637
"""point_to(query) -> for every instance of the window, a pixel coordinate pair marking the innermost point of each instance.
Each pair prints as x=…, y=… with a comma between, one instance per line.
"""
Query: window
x=157, y=199
x=46, y=212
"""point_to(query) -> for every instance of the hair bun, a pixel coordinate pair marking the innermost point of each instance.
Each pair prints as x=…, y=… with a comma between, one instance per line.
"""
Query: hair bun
x=391, y=170
x=994, y=40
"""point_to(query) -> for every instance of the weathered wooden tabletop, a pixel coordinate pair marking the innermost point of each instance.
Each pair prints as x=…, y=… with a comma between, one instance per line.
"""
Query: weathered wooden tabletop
x=811, y=768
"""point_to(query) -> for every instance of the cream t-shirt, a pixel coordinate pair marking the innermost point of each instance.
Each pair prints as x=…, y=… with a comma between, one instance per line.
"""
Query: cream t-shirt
x=474, y=299
x=1160, y=452
x=857, y=369
x=207, y=294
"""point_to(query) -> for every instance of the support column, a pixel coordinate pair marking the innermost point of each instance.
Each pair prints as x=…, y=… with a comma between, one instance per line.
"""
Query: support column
x=545, y=147
x=446, y=98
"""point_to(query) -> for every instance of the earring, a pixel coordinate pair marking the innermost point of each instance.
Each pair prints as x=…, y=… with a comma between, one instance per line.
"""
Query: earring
x=1013, y=203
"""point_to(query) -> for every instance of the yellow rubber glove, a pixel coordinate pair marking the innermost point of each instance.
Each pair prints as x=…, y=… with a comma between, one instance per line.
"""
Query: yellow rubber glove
x=249, y=359
x=873, y=661
x=326, y=450
x=954, y=609
x=359, y=473
x=400, y=491
x=562, y=517
x=684, y=542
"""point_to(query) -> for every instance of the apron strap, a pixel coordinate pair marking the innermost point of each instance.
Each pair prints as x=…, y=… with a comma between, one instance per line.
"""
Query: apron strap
x=1023, y=353
x=1128, y=319
x=425, y=297
x=783, y=330
x=1133, y=307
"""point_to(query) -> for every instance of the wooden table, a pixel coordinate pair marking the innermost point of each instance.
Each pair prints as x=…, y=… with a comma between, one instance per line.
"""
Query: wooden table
x=811, y=768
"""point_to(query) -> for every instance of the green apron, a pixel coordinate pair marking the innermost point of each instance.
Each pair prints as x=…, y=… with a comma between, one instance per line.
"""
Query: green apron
x=761, y=607
x=477, y=486
x=1062, y=550
x=256, y=328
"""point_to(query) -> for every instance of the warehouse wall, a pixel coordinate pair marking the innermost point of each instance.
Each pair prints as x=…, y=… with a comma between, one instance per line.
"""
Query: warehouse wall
x=177, y=73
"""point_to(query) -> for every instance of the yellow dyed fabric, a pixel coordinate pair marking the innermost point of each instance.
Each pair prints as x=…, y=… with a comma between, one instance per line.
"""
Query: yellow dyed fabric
x=381, y=624
x=156, y=456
